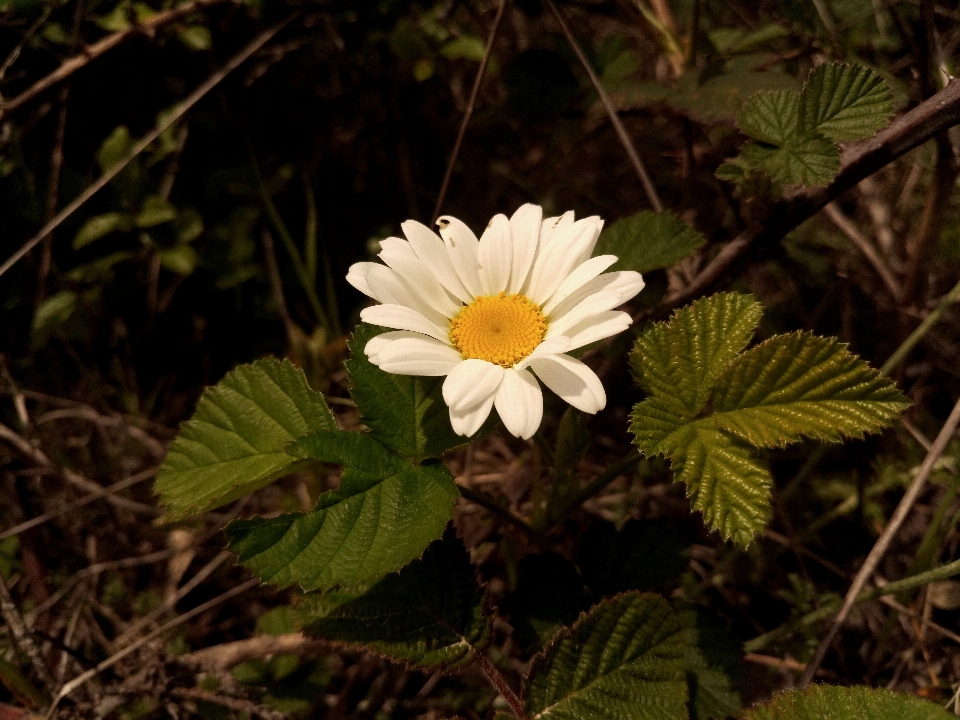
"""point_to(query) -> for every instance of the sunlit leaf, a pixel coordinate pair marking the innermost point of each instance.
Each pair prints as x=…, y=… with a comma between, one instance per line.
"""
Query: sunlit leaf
x=234, y=443
x=771, y=117
x=826, y=702
x=845, y=102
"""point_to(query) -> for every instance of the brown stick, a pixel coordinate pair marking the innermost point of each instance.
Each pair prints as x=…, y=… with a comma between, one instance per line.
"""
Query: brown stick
x=92, y=52
x=53, y=197
x=883, y=542
x=471, y=103
x=845, y=226
x=625, y=140
x=857, y=161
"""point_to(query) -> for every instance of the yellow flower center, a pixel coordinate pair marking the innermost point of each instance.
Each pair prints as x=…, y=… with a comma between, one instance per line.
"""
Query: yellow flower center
x=502, y=329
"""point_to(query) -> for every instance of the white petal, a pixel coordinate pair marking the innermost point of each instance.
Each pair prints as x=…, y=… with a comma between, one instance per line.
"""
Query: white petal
x=626, y=284
x=525, y=234
x=418, y=356
x=467, y=421
x=586, y=272
x=571, y=380
x=553, y=227
x=357, y=276
x=519, y=403
x=590, y=307
x=588, y=249
x=552, y=346
x=471, y=382
x=392, y=290
x=379, y=342
x=462, y=246
x=554, y=264
x=430, y=249
x=597, y=328
x=399, y=255
x=402, y=318
x=494, y=255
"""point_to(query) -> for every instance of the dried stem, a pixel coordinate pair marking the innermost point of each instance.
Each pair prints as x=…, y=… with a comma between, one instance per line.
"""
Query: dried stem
x=883, y=542
x=21, y=636
x=53, y=196
x=471, y=103
x=631, y=151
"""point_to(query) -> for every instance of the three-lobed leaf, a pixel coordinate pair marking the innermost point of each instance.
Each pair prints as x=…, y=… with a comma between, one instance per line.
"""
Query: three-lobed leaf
x=622, y=659
x=826, y=702
x=648, y=241
x=432, y=614
x=384, y=513
x=404, y=412
x=235, y=442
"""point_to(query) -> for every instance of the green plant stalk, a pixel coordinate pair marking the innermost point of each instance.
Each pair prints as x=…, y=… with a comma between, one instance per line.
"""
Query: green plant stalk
x=932, y=539
x=908, y=583
x=333, y=307
x=487, y=502
x=281, y=228
x=922, y=329
x=605, y=478
x=310, y=231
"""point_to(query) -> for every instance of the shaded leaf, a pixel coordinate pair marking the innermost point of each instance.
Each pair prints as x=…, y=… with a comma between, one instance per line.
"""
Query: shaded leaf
x=798, y=385
x=826, y=702
x=404, y=412
x=712, y=656
x=53, y=312
x=549, y=595
x=155, y=210
x=100, y=226
x=801, y=160
x=196, y=37
x=640, y=556
x=114, y=148
x=383, y=514
x=431, y=614
x=181, y=259
x=234, y=443
x=845, y=102
x=648, y=241
x=623, y=659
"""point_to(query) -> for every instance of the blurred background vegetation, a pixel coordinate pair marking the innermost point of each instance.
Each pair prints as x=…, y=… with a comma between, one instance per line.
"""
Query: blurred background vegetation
x=229, y=238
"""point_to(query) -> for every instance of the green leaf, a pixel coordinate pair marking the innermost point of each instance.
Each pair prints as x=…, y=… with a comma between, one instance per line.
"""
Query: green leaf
x=431, y=614
x=648, y=241
x=155, y=210
x=195, y=37
x=676, y=362
x=181, y=259
x=404, y=412
x=771, y=117
x=53, y=312
x=234, y=443
x=623, y=659
x=573, y=439
x=725, y=479
x=798, y=385
x=465, y=47
x=826, y=702
x=114, y=148
x=712, y=656
x=383, y=514
x=845, y=102
x=802, y=160
x=99, y=226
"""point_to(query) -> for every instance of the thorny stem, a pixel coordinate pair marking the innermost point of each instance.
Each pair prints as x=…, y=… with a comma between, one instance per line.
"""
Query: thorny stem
x=471, y=103
x=628, y=146
x=883, y=542
x=500, y=683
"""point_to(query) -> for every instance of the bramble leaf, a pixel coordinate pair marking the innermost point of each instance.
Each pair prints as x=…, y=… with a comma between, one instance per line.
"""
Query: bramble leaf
x=648, y=241
x=798, y=385
x=234, y=443
x=622, y=659
x=771, y=117
x=827, y=702
x=431, y=614
x=676, y=362
x=385, y=512
x=807, y=159
x=845, y=102
x=404, y=412
x=713, y=658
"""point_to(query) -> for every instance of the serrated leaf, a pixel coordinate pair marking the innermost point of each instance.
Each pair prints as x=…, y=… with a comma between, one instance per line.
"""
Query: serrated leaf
x=431, y=614
x=802, y=160
x=623, y=659
x=384, y=513
x=725, y=479
x=712, y=656
x=798, y=385
x=845, y=102
x=827, y=702
x=234, y=443
x=676, y=362
x=771, y=117
x=648, y=241
x=404, y=412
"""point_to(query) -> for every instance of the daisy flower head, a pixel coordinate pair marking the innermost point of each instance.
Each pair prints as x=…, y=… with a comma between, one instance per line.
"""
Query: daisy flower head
x=494, y=315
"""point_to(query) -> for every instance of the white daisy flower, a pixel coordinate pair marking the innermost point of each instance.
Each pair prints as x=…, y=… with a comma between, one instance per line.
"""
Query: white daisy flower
x=490, y=313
